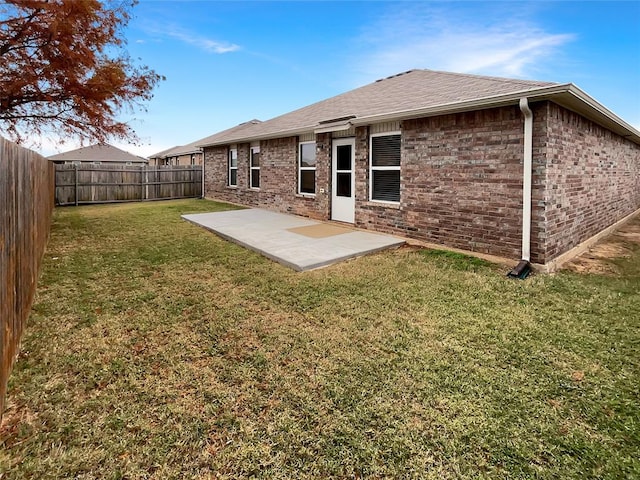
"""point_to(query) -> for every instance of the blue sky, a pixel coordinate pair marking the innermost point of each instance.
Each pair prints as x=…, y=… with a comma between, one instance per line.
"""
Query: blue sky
x=228, y=62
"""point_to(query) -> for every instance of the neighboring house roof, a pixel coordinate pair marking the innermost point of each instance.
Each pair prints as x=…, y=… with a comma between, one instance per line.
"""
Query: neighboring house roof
x=184, y=150
x=178, y=150
x=162, y=154
x=101, y=152
x=419, y=93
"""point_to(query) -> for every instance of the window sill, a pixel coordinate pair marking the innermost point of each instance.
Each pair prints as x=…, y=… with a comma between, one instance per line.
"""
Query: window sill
x=231, y=187
x=308, y=196
x=377, y=204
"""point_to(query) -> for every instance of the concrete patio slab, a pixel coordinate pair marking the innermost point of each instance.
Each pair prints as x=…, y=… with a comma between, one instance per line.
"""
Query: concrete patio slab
x=296, y=242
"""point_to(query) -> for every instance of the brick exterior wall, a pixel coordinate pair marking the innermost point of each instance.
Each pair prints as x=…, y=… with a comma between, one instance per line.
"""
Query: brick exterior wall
x=179, y=160
x=186, y=159
x=592, y=177
x=461, y=180
x=461, y=183
x=278, y=177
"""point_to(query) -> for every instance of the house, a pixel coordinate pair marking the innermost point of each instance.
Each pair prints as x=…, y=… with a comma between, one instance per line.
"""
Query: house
x=519, y=169
x=180, y=155
x=159, y=158
x=98, y=154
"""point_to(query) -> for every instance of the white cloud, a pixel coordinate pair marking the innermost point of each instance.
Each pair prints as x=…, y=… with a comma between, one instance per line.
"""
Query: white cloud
x=453, y=40
x=206, y=44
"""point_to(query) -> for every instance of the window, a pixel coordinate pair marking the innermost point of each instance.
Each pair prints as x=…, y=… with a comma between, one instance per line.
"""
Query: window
x=254, y=167
x=385, y=167
x=307, y=168
x=344, y=170
x=233, y=167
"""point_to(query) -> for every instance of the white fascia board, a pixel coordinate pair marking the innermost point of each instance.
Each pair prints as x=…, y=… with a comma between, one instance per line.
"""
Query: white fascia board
x=602, y=110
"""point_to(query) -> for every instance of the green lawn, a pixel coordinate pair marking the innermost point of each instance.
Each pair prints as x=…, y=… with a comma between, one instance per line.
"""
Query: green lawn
x=157, y=350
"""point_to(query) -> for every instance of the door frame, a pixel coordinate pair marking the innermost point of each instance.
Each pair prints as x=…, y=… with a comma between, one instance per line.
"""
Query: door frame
x=343, y=209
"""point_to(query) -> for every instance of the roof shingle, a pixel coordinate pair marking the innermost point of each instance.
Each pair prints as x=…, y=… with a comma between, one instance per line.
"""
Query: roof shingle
x=410, y=90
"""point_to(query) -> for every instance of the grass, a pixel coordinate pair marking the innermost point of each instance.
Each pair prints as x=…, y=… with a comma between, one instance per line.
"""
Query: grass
x=157, y=350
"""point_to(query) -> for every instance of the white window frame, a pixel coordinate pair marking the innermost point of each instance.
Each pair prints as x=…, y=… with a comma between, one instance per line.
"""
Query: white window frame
x=303, y=169
x=230, y=168
x=252, y=168
x=372, y=168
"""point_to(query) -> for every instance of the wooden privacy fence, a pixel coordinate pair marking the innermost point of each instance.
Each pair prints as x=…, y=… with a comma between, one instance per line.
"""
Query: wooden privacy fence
x=26, y=204
x=84, y=184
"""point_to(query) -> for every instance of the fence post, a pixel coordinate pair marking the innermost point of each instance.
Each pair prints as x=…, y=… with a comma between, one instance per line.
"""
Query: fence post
x=142, y=170
x=75, y=178
x=93, y=186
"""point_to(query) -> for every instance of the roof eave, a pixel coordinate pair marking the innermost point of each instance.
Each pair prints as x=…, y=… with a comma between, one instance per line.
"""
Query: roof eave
x=567, y=95
x=455, y=107
x=594, y=110
x=265, y=136
x=181, y=153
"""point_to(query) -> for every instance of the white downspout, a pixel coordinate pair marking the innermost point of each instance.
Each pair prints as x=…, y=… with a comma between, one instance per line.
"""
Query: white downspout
x=526, y=180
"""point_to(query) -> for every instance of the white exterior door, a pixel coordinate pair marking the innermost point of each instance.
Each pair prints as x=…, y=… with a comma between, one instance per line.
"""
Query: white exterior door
x=343, y=201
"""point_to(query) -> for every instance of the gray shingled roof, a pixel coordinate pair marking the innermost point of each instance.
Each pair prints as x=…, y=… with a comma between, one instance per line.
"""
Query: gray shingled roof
x=178, y=150
x=183, y=150
x=412, y=90
x=97, y=153
x=239, y=131
x=163, y=153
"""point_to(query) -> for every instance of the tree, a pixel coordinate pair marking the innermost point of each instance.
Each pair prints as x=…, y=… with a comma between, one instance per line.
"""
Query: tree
x=64, y=69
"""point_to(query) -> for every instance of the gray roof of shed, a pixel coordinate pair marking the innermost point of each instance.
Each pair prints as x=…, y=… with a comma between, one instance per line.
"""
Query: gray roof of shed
x=414, y=94
x=101, y=152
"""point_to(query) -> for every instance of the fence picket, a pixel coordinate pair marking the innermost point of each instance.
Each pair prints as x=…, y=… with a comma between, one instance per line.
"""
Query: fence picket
x=26, y=206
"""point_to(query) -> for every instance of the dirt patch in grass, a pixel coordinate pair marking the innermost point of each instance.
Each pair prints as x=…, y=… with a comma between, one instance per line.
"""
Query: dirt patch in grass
x=607, y=256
